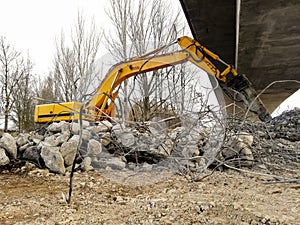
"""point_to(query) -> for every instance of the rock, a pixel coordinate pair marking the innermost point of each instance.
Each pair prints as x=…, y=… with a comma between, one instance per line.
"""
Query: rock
x=166, y=147
x=153, y=155
x=246, y=138
x=9, y=144
x=190, y=150
x=106, y=139
x=239, y=146
x=53, y=127
x=119, y=199
x=86, y=135
x=41, y=144
x=62, y=126
x=86, y=164
x=64, y=137
x=24, y=147
x=53, y=159
x=36, y=141
x=115, y=163
x=246, y=154
x=32, y=154
x=51, y=140
x=37, y=136
x=144, y=167
x=75, y=138
x=58, y=138
x=229, y=152
x=85, y=124
x=244, y=144
x=199, y=162
x=22, y=139
x=94, y=148
x=4, y=160
x=103, y=126
x=118, y=127
x=75, y=128
x=68, y=151
x=126, y=137
x=191, y=165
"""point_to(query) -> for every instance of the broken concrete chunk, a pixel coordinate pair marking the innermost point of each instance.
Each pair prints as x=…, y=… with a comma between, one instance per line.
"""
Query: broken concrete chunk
x=9, y=144
x=246, y=154
x=127, y=139
x=118, y=127
x=94, y=148
x=64, y=137
x=32, y=154
x=22, y=139
x=51, y=140
x=106, y=139
x=125, y=136
x=86, y=164
x=62, y=126
x=24, y=147
x=75, y=128
x=68, y=151
x=53, y=159
x=166, y=147
x=115, y=163
x=75, y=138
x=86, y=135
x=246, y=138
x=4, y=160
x=103, y=126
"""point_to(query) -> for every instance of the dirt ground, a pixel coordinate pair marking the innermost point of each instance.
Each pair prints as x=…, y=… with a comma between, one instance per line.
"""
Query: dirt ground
x=34, y=196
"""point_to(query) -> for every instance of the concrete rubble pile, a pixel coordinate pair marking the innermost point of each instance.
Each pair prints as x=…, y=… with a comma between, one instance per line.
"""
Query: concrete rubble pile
x=103, y=146
x=114, y=146
x=272, y=146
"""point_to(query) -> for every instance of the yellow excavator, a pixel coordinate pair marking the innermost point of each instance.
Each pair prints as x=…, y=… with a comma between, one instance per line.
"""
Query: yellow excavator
x=102, y=106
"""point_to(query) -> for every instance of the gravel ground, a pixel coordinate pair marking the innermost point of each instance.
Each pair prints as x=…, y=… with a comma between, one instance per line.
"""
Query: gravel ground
x=33, y=196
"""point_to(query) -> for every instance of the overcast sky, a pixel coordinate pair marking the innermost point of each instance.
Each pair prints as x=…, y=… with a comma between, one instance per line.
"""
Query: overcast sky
x=32, y=25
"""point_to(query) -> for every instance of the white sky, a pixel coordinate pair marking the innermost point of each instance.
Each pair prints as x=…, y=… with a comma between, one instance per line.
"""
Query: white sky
x=290, y=103
x=32, y=25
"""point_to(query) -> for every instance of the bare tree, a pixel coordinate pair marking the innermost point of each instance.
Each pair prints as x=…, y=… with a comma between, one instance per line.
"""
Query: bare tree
x=118, y=43
x=119, y=16
x=139, y=28
x=46, y=90
x=74, y=69
x=11, y=74
x=24, y=100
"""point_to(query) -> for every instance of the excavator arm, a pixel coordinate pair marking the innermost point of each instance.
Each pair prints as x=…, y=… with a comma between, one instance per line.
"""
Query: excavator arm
x=228, y=78
x=102, y=102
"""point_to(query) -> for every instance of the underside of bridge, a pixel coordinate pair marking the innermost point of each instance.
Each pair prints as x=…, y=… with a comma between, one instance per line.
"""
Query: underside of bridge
x=261, y=38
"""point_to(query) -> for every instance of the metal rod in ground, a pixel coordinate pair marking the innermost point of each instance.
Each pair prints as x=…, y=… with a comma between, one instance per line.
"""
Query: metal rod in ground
x=74, y=161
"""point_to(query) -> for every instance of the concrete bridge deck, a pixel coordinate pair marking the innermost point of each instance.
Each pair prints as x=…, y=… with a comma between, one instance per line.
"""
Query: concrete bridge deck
x=261, y=38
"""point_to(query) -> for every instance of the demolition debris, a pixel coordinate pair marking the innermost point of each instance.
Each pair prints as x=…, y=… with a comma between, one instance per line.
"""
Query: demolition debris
x=271, y=146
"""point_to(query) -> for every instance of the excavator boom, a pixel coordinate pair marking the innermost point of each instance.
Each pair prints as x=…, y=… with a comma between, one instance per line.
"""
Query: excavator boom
x=102, y=102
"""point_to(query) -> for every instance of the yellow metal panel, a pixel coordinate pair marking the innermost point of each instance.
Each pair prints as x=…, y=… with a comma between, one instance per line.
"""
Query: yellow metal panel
x=66, y=111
